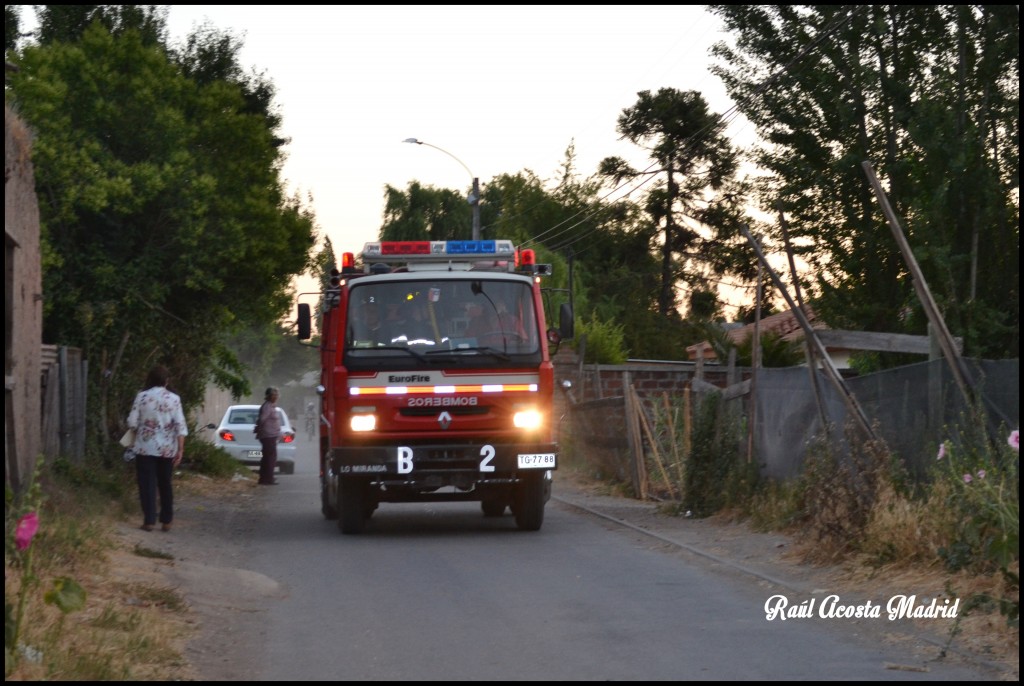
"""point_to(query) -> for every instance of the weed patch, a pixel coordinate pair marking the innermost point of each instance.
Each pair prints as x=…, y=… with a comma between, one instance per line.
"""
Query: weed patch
x=64, y=619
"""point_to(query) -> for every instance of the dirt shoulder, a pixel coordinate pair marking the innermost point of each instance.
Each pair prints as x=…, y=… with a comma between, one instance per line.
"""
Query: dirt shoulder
x=205, y=564
x=203, y=560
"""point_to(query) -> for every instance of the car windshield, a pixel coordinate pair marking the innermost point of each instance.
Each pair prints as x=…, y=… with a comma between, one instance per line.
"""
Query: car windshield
x=469, y=322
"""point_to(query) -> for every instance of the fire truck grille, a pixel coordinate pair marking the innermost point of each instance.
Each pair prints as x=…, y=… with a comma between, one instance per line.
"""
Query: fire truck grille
x=449, y=458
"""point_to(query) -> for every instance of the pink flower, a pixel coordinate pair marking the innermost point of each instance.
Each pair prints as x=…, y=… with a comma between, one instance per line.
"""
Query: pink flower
x=942, y=451
x=981, y=473
x=1014, y=439
x=968, y=479
x=26, y=530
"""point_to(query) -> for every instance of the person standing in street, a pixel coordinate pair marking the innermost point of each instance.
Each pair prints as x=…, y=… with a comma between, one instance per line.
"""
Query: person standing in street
x=268, y=431
x=160, y=430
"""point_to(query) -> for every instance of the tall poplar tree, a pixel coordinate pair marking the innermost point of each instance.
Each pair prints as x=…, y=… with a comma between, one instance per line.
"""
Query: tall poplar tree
x=930, y=95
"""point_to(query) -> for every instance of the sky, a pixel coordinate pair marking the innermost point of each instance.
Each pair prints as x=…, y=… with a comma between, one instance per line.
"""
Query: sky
x=499, y=89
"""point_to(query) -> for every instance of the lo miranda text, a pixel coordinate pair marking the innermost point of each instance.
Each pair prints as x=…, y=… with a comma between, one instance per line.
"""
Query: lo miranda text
x=898, y=607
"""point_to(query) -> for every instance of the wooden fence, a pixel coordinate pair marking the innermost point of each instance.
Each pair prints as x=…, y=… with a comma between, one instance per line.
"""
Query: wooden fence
x=64, y=374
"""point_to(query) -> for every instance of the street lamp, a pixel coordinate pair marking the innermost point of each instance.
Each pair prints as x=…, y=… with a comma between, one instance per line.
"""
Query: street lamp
x=474, y=195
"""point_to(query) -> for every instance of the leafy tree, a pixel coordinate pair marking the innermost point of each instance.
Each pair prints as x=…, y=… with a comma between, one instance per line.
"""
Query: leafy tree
x=324, y=262
x=687, y=147
x=774, y=351
x=165, y=226
x=425, y=213
x=930, y=95
x=606, y=246
x=210, y=55
x=12, y=23
x=322, y=266
x=67, y=23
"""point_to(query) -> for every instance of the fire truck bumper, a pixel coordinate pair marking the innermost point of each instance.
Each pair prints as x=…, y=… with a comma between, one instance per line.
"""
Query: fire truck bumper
x=485, y=460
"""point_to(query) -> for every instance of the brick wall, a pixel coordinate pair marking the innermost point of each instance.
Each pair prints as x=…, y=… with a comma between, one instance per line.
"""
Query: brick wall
x=650, y=379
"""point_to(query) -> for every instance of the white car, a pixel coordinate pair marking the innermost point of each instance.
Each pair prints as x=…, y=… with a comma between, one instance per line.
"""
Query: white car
x=236, y=436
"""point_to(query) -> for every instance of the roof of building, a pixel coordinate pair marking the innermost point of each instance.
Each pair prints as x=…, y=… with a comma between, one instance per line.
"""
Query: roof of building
x=783, y=324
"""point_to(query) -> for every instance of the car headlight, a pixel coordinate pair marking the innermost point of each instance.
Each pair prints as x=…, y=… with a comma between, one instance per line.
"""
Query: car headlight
x=527, y=419
x=363, y=422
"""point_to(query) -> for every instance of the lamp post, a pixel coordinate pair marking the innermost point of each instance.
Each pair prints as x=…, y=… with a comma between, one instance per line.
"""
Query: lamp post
x=474, y=195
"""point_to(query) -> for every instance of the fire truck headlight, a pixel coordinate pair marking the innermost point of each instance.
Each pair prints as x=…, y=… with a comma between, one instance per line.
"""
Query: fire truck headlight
x=363, y=422
x=527, y=419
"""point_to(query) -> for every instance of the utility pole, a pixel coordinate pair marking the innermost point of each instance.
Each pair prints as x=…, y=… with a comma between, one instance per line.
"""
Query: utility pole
x=474, y=200
x=474, y=195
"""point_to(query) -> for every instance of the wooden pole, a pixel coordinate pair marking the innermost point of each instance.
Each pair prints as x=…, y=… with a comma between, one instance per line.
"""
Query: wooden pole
x=812, y=363
x=834, y=376
x=638, y=471
x=676, y=458
x=931, y=310
x=649, y=432
x=755, y=362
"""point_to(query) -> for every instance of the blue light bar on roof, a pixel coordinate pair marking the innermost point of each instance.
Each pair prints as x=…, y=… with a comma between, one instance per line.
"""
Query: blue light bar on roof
x=406, y=251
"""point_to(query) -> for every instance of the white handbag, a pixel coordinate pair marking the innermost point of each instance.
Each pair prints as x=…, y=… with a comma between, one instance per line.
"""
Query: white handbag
x=128, y=440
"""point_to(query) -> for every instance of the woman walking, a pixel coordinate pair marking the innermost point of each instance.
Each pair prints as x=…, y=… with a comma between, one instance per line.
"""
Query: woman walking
x=268, y=431
x=160, y=431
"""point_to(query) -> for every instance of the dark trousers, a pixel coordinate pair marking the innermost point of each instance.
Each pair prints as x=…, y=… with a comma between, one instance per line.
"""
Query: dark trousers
x=154, y=476
x=269, y=461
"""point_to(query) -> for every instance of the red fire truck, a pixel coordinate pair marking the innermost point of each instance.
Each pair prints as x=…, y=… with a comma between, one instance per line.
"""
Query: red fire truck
x=436, y=380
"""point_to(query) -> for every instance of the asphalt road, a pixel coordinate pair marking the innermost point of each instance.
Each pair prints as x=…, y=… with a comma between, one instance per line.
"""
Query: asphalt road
x=437, y=591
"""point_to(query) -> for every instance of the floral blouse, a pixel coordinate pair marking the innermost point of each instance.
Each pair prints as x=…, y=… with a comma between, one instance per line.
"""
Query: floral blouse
x=158, y=421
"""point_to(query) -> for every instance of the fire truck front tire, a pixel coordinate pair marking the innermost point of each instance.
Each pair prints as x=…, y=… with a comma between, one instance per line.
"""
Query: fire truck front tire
x=530, y=497
x=354, y=504
x=329, y=511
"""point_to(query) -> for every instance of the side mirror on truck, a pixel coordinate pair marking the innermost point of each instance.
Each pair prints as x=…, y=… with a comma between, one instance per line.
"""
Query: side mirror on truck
x=566, y=323
x=305, y=322
x=565, y=328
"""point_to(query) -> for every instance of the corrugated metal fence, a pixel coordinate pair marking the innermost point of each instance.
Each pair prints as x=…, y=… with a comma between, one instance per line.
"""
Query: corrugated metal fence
x=914, y=408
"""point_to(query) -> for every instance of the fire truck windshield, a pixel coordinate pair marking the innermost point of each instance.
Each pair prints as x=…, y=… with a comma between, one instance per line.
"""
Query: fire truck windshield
x=427, y=322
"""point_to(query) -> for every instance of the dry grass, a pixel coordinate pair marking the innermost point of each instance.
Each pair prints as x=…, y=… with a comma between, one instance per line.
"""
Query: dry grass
x=132, y=627
x=980, y=628
x=908, y=531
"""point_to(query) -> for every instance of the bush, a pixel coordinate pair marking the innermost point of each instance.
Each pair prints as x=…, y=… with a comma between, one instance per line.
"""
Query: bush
x=840, y=491
x=716, y=475
x=604, y=341
x=205, y=458
x=982, y=486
